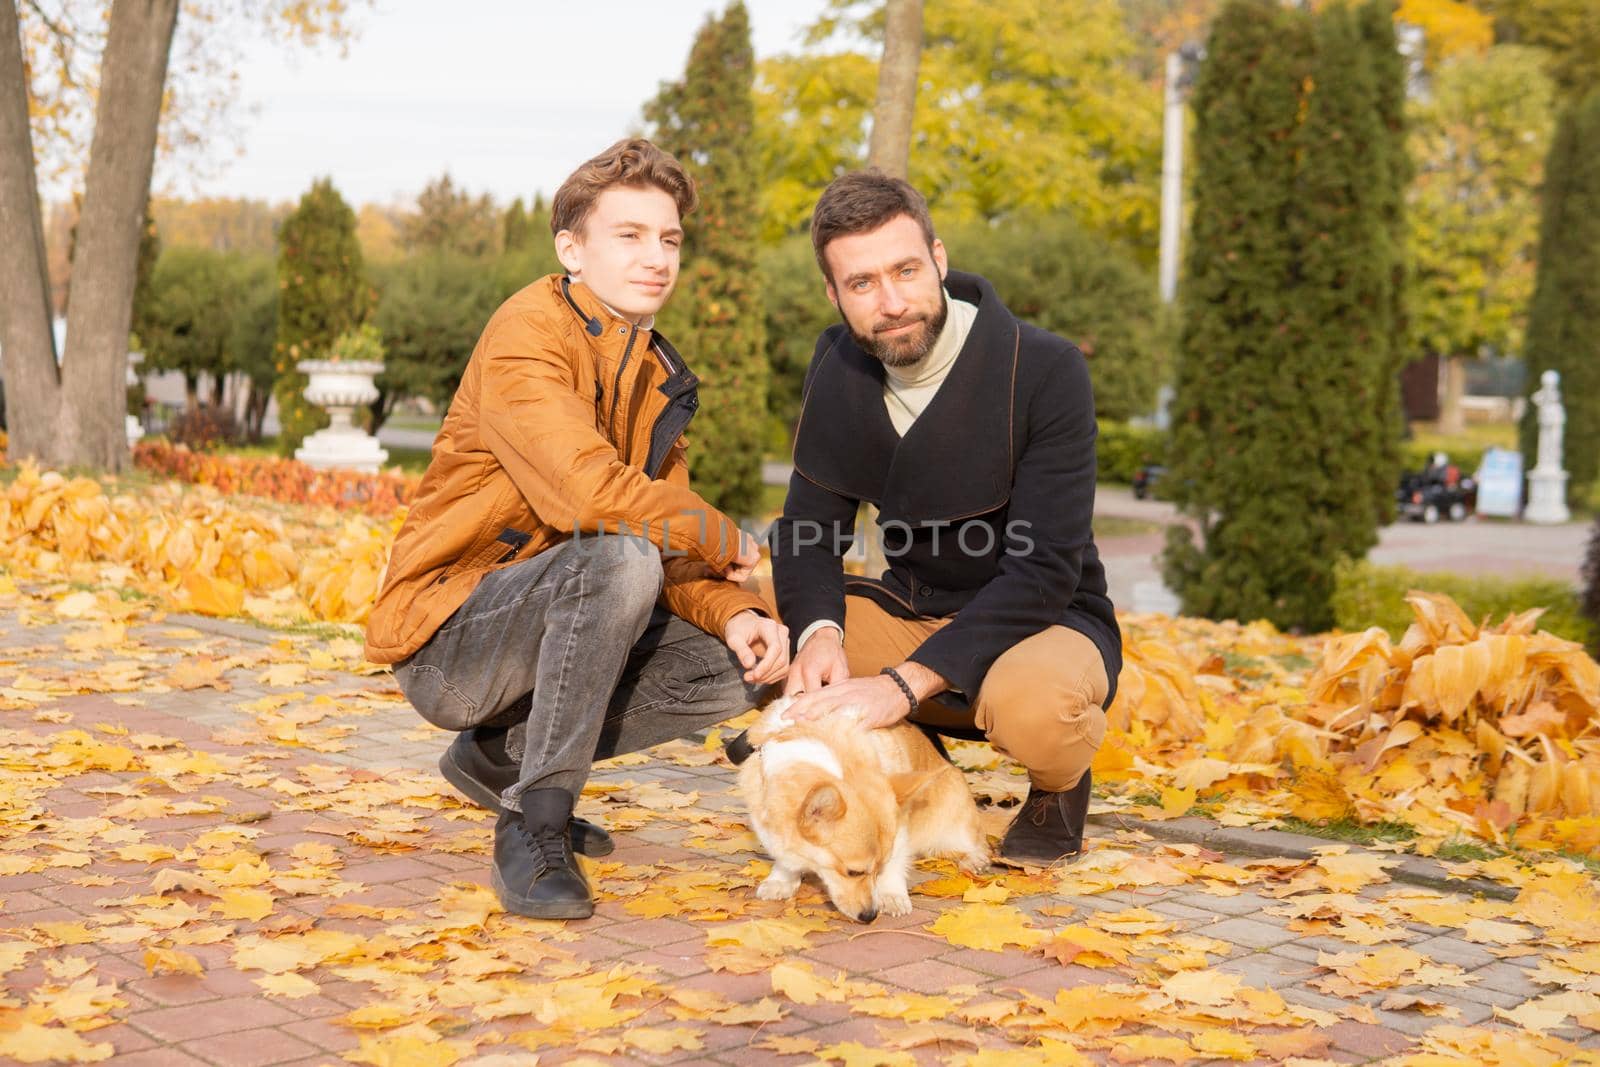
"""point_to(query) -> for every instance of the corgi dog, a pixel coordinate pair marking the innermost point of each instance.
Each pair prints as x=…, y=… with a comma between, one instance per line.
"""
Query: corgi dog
x=855, y=806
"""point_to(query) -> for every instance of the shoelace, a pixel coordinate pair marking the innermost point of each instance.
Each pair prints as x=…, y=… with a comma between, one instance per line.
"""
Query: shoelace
x=550, y=845
x=1039, y=811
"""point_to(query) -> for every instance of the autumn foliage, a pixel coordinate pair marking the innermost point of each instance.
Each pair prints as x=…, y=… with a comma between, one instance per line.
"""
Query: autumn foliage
x=1457, y=730
x=286, y=480
x=195, y=549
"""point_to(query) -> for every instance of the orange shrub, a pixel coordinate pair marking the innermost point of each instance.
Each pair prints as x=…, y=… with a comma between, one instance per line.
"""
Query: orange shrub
x=286, y=480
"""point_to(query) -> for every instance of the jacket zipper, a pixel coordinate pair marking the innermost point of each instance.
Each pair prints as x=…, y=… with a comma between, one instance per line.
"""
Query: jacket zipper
x=675, y=418
x=616, y=386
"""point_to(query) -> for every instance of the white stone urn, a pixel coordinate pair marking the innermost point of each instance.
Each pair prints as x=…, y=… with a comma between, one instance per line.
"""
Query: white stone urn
x=339, y=387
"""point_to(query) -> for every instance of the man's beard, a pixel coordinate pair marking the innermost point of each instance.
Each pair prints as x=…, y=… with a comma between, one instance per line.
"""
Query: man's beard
x=906, y=350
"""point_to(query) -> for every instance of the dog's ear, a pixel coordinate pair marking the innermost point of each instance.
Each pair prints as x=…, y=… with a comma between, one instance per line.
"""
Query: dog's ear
x=908, y=784
x=824, y=804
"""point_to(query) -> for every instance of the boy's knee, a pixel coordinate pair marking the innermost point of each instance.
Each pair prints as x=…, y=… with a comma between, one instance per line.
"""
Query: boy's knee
x=626, y=570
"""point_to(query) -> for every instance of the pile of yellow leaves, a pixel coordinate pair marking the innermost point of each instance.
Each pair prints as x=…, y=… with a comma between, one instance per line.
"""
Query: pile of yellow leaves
x=1458, y=729
x=198, y=550
x=1506, y=713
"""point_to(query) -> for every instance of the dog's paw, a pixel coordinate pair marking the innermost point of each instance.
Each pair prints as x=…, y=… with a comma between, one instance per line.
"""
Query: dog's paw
x=973, y=862
x=775, y=888
x=894, y=904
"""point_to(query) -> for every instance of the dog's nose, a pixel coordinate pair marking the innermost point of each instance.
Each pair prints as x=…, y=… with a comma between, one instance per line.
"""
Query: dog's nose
x=868, y=915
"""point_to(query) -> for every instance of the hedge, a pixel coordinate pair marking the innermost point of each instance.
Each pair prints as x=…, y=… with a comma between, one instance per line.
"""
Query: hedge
x=1366, y=594
x=1123, y=448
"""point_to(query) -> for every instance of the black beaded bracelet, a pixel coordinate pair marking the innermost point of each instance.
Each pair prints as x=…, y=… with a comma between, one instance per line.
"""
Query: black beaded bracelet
x=904, y=688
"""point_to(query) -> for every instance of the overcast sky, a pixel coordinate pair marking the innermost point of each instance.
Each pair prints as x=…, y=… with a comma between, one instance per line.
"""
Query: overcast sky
x=506, y=95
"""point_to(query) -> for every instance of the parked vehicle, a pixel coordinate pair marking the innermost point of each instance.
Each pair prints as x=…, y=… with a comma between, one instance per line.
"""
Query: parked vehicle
x=1145, y=478
x=1439, y=491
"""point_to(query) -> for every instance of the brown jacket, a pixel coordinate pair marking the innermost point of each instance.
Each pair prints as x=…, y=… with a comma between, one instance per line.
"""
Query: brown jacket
x=567, y=419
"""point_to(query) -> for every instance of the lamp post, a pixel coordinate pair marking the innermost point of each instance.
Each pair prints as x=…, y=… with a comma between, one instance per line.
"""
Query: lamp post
x=1181, y=66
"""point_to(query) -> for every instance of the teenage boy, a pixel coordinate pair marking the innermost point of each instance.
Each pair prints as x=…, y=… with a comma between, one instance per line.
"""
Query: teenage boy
x=558, y=593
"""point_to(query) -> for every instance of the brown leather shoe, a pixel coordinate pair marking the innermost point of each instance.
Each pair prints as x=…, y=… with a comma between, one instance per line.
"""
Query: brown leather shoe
x=1049, y=828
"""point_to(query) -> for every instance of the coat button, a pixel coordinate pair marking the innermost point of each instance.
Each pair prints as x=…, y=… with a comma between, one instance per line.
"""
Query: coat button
x=622, y=329
x=926, y=590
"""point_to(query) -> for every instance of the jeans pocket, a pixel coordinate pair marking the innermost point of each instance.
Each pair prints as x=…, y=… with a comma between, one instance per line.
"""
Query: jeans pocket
x=435, y=699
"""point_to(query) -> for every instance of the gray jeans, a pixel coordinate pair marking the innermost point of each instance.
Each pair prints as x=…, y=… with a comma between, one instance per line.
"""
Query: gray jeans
x=570, y=650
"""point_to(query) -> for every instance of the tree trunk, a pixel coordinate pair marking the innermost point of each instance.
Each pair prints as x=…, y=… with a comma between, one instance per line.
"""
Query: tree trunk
x=74, y=417
x=27, y=347
x=1452, y=387
x=255, y=410
x=890, y=147
x=380, y=410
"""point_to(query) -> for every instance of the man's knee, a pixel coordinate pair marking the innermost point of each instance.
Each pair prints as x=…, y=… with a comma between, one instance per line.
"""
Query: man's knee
x=625, y=570
x=1041, y=705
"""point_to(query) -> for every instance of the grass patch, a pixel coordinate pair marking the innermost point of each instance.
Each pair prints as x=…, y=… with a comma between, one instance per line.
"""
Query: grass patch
x=1478, y=434
x=1119, y=526
x=1463, y=851
x=1350, y=830
x=1366, y=594
x=410, y=460
x=1238, y=663
x=322, y=631
x=414, y=422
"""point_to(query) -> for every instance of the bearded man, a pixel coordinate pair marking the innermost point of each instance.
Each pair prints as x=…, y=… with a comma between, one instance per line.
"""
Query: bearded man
x=973, y=433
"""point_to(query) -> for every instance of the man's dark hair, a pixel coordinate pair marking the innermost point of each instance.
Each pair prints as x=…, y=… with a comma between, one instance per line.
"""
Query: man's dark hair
x=860, y=202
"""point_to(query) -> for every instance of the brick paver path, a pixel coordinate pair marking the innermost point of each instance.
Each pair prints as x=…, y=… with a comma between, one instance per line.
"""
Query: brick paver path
x=282, y=831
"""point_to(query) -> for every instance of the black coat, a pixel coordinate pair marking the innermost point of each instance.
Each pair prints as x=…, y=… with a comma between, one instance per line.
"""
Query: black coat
x=985, y=504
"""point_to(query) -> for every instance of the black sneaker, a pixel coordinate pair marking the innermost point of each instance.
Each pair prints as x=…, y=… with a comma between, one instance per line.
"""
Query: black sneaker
x=1049, y=828
x=535, y=872
x=477, y=765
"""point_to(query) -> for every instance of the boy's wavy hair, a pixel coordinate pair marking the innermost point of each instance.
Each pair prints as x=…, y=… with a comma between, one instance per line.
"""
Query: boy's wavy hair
x=632, y=162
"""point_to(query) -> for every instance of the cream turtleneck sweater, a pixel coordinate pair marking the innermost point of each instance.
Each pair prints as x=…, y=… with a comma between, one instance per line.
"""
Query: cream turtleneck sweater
x=908, y=389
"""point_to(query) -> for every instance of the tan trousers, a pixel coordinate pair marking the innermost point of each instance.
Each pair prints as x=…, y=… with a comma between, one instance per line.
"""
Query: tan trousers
x=1041, y=702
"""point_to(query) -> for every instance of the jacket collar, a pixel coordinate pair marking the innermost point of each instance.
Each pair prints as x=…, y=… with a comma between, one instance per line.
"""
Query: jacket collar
x=610, y=332
x=956, y=461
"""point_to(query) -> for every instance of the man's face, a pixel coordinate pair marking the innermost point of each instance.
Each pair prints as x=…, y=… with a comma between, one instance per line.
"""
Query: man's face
x=628, y=251
x=889, y=287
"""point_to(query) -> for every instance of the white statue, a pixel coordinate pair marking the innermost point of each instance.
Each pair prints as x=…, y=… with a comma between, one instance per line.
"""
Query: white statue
x=1547, y=482
x=1552, y=421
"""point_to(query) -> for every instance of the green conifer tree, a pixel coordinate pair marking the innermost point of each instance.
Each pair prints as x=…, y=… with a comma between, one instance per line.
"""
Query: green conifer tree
x=706, y=120
x=323, y=292
x=517, y=233
x=1288, y=348
x=1564, y=318
x=1391, y=172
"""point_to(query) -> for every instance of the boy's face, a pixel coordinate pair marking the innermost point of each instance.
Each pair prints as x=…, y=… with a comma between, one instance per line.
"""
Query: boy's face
x=888, y=285
x=628, y=251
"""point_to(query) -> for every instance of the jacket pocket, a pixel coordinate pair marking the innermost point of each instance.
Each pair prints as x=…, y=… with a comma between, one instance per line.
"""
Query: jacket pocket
x=482, y=556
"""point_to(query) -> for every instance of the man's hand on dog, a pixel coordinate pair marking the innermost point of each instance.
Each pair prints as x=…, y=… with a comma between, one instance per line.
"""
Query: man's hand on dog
x=820, y=661
x=876, y=700
x=762, y=645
